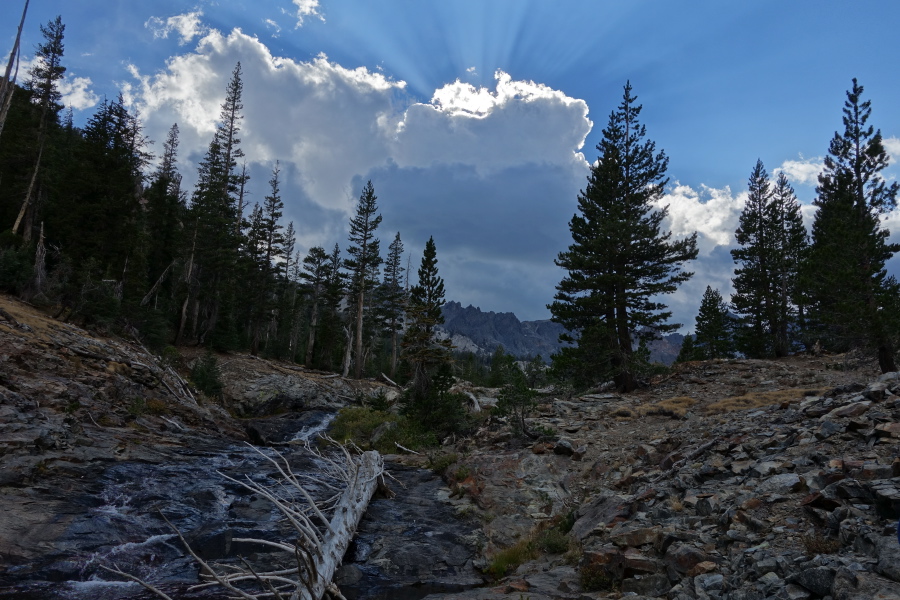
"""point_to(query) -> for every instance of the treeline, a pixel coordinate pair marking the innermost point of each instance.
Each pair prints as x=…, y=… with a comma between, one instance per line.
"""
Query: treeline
x=826, y=291
x=793, y=290
x=92, y=233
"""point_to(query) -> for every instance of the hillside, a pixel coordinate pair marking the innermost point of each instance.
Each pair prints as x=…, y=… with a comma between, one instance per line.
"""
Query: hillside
x=475, y=330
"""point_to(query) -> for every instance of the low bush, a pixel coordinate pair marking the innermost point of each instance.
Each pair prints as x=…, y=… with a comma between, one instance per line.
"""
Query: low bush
x=379, y=430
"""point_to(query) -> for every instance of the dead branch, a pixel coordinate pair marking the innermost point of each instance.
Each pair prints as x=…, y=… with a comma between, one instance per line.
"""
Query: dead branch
x=324, y=528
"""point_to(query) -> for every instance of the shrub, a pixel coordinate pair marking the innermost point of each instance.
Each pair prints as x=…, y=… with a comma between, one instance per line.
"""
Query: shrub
x=360, y=425
x=553, y=541
x=594, y=578
x=509, y=559
x=206, y=376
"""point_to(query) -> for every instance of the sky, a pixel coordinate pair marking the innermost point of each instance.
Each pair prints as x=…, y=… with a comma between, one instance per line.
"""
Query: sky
x=477, y=120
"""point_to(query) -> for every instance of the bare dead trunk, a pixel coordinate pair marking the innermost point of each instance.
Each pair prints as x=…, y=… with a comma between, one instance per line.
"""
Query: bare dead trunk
x=30, y=190
x=8, y=83
x=310, y=344
x=345, y=369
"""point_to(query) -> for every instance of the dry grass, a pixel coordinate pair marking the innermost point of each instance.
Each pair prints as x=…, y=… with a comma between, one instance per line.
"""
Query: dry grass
x=675, y=503
x=670, y=407
x=757, y=399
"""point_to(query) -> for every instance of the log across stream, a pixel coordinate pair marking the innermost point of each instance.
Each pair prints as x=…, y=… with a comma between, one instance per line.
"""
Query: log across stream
x=406, y=547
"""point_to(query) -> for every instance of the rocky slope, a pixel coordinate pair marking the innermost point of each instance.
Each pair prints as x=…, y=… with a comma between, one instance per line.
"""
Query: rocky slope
x=741, y=479
x=735, y=480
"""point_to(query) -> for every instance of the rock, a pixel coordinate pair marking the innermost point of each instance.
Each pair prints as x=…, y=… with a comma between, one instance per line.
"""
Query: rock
x=633, y=537
x=817, y=580
x=647, y=585
x=793, y=591
x=888, y=558
x=828, y=429
x=711, y=582
x=854, y=409
x=764, y=469
x=684, y=557
x=564, y=447
x=602, y=511
x=786, y=483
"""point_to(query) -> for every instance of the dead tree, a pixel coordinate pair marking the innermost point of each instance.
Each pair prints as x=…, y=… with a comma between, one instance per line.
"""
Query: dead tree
x=324, y=529
x=8, y=83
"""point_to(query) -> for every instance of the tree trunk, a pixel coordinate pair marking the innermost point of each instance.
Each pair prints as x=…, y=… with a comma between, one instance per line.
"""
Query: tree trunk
x=345, y=369
x=30, y=190
x=360, y=305
x=8, y=83
x=313, y=322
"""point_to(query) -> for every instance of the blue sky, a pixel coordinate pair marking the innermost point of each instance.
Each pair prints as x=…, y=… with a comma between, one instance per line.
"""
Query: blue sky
x=476, y=119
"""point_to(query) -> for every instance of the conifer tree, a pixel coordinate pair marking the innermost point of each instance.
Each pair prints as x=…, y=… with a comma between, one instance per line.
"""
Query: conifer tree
x=752, y=280
x=45, y=74
x=851, y=298
x=621, y=261
x=427, y=356
x=364, y=257
x=713, y=336
x=393, y=298
x=688, y=351
x=421, y=349
x=772, y=240
x=789, y=242
x=315, y=273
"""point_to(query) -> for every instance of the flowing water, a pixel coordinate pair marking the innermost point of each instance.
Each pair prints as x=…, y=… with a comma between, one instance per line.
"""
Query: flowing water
x=116, y=523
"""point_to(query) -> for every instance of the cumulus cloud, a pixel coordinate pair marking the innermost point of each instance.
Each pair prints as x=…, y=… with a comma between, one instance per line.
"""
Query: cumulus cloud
x=77, y=93
x=517, y=122
x=803, y=171
x=187, y=26
x=713, y=213
x=493, y=174
x=307, y=8
x=892, y=145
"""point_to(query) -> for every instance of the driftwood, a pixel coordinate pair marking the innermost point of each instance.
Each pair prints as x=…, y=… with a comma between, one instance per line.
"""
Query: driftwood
x=323, y=528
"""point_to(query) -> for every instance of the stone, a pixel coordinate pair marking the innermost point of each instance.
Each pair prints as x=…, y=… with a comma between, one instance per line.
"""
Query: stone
x=793, y=591
x=710, y=582
x=601, y=511
x=817, y=580
x=647, y=585
x=633, y=537
x=888, y=558
x=828, y=429
x=563, y=447
x=684, y=557
x=854, y=409
x=786, y=483
x=764, y=469
x=707, y=566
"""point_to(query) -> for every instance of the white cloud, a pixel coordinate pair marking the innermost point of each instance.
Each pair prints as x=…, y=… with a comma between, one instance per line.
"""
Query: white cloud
x=187, y=26
x=76, y=92
x=273, y=25
x=712, y=213
x=519, y=122
x=451, y=167
x=802, y=171
x=307, y=8
x=892, y=145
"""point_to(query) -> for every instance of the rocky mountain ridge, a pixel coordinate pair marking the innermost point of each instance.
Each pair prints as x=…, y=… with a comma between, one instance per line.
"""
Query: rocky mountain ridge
x=474, y=330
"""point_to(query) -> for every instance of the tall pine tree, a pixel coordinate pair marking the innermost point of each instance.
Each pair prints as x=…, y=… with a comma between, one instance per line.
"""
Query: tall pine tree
x=851, y=298
x=364, y=257
x=713, y=335
x=621, y=261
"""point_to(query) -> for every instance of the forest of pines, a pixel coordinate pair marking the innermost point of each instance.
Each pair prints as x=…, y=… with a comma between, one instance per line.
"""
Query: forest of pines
x=94, y=234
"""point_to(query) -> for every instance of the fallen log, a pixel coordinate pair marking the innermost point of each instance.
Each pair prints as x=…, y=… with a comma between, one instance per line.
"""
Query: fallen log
x=324, y=529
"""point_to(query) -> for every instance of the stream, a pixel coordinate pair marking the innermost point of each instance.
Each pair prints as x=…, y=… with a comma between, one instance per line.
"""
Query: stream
x=406, y=547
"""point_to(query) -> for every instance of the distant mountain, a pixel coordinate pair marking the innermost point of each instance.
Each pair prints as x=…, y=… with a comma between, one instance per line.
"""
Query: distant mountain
x=474, y=330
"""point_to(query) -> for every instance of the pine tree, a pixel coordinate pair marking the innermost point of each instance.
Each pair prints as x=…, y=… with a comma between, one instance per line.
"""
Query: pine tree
x=772, y=240
x=45, y=74
x=851, y=297
x=315, y=273
x=364, y=257
x=789, y=242
x=752, y=278
x=427, y=356
x=688, y=351
x=621, y=261
x=421, y=349
x=393, y=298
x=713, y=336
